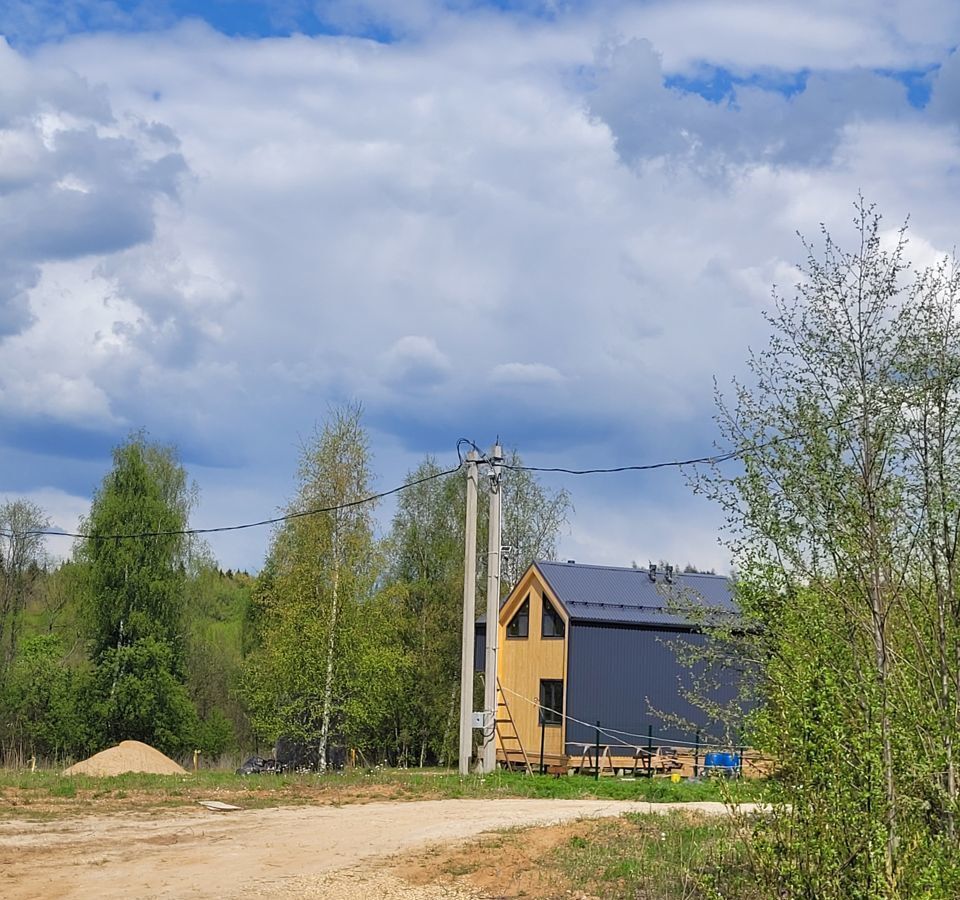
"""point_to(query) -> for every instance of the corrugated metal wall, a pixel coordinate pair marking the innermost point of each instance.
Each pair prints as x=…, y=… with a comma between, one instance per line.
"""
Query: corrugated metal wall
x=480, y=647
x=617, y=673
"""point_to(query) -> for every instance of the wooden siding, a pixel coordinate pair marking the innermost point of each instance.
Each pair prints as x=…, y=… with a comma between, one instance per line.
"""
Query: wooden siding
x=523, y=662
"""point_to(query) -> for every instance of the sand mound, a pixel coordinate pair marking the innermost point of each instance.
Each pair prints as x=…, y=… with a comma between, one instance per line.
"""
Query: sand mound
x=127, y=756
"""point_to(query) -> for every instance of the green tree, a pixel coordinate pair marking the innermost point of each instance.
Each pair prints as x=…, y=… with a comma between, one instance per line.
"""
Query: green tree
x=134, y=549
x=312, y=600
x=133, y=561
x=426, y=583
x=42, y=703
x=138, y=697
x=425, y=550
x=533, y=518
x=21, y=558
x=217, y=607
x=843, y=527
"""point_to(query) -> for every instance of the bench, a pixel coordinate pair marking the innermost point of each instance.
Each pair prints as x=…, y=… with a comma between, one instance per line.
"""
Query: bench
x=661, y=761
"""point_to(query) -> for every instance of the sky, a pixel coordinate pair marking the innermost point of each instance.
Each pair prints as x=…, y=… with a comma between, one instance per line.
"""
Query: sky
x=558, y=223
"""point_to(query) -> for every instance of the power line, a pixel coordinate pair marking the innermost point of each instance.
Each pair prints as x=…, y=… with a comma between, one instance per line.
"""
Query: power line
x=700, y=460
x=287, y=517
x=713, y=459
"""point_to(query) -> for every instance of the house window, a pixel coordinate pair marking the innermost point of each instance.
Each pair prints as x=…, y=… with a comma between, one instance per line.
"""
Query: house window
x=519, y=625
x=551, y=702
x=552, y=625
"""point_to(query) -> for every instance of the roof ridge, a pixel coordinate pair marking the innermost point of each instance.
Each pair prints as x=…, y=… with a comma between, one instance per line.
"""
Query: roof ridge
x=644, y=570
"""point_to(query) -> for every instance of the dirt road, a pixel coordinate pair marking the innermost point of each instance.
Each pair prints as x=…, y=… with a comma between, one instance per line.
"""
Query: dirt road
x=262, y=852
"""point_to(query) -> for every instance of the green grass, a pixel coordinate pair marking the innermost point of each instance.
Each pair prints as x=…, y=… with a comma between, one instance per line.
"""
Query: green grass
x=86, y=793
x=667, y=857
x=574, y=787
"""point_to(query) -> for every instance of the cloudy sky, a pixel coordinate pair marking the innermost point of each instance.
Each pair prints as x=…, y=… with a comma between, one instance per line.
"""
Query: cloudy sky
x=553, y=221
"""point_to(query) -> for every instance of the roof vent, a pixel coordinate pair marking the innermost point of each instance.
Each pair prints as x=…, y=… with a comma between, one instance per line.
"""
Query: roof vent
x=652, y=572
x=668, y=574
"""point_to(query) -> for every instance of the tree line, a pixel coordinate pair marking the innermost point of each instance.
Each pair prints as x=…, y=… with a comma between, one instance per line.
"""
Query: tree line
x=346, y=639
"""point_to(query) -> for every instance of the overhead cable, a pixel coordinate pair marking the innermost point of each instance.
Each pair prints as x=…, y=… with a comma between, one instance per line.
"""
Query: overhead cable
x=275, y=520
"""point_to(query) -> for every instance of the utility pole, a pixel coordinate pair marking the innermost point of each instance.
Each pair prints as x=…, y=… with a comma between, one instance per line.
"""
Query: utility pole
x=469, y=617
x=493, y=615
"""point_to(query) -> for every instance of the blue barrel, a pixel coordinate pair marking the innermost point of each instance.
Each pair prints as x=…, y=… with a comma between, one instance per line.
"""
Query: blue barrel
x=722, y=763
x=712, y=761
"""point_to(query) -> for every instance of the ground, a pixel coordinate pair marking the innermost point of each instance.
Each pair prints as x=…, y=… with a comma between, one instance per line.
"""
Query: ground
x=375, y=849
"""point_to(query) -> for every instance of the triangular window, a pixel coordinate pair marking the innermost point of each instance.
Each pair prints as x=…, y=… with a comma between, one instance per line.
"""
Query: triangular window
x=552, y=626
x=519, y=625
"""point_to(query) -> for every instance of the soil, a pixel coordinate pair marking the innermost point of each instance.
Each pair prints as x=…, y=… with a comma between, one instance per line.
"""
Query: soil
x=306, y=851
x=494, y=865
x=127, y=756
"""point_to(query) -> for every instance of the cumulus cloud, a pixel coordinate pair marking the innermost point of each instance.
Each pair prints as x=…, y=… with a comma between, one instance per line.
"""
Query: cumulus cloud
x=72, y=181
x=750, y=125
x=496, y=227
x=415, y=361
x=790, y=35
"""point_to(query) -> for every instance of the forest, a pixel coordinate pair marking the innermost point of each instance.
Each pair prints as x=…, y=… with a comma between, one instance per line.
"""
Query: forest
x=346, y=637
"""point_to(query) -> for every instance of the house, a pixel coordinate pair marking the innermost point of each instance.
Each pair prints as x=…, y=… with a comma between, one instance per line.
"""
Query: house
x=581, y=644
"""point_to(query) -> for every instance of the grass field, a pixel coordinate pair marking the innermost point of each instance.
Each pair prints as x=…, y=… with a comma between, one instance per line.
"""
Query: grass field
x=47, y=793
x=673, y=856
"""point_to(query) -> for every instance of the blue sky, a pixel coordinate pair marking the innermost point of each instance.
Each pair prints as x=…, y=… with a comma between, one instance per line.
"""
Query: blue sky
x=555, y=222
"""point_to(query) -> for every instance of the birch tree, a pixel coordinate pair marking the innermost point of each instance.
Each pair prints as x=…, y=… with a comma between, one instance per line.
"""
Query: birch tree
x=843, y=521
x=316, y=586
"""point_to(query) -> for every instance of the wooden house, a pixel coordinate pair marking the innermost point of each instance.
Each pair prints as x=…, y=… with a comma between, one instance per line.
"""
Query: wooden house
x=580, y=644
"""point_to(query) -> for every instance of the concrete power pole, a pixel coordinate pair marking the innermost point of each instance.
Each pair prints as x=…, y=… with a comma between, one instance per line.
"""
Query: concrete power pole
x=493, y=615
x=469, y=617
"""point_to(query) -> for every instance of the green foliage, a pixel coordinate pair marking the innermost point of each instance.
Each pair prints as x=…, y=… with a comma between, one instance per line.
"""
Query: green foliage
x=133, y=564
x=425, y=583
x=217, y=606
x=138, y=697
x=21, y=558
x=42, y=702
x=215, y=734
x=845, y=533
x=313, y=606
x=533, y=518
x=135, y=586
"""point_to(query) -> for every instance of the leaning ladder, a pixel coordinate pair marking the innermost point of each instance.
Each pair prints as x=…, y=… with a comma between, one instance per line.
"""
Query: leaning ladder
x=507, y=734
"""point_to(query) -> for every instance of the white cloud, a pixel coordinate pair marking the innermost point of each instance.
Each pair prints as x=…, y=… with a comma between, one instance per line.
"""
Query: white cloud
x=747, y=35
x=414, y=361
x=518, y=373
x=479, y=231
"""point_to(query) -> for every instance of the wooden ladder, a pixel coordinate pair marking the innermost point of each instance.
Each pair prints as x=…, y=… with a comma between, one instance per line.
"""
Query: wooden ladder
x=507, y=734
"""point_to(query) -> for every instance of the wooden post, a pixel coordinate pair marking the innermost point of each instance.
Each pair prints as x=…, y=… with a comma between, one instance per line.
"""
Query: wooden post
x=543, y=731
x=649, y=750
x=598, y=749
x=696, y=756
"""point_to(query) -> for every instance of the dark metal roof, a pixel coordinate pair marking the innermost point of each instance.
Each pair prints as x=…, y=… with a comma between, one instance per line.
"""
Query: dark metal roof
x=608, y=594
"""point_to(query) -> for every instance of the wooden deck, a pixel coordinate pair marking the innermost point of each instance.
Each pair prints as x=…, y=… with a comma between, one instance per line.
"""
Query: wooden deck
x=680, y=760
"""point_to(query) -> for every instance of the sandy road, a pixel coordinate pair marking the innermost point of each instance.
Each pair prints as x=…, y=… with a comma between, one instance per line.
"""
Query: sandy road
x=251, y=853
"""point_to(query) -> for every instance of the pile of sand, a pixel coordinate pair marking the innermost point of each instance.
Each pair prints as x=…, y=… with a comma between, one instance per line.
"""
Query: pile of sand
x=127, y=756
